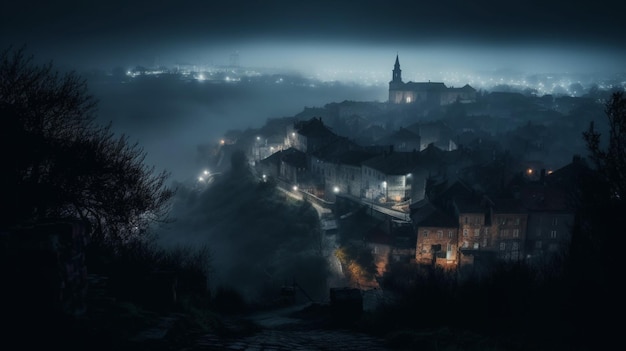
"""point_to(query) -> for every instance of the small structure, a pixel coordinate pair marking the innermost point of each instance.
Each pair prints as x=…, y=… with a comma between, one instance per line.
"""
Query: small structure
x=346, y=304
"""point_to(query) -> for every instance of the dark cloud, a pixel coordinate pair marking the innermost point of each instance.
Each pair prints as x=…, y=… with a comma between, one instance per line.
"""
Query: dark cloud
x=115, y=28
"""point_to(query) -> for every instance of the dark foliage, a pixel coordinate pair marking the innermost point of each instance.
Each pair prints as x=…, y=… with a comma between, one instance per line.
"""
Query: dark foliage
x=59, y=164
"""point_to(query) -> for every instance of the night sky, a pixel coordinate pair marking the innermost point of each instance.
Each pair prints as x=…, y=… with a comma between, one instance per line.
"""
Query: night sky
x=325, y=40
x=319, y=34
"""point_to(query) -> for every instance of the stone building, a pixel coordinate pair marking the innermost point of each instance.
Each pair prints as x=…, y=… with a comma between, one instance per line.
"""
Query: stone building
x=430, y=94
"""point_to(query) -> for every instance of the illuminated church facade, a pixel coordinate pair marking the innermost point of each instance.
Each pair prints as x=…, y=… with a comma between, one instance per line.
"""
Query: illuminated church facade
x=426, y=93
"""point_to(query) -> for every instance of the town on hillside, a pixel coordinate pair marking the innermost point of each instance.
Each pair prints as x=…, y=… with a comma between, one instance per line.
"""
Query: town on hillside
x=461, y=178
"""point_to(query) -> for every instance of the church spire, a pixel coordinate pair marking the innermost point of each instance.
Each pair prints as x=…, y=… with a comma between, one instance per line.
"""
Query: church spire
x=397, y=72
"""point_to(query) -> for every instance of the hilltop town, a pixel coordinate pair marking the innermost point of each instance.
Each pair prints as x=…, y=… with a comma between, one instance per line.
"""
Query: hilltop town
x=454, y=177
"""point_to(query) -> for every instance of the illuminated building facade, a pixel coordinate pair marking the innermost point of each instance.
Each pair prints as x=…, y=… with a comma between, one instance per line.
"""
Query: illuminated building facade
x=430, y=94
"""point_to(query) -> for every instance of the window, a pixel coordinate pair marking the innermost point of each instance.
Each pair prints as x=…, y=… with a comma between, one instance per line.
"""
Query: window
x=466, y=220
x=555, y=221
x=553, y=234
x=450, y=234
x=465, y=232
x=538, y=244
x=553, y=247
x=440, y=234
x=476, y=246
x=502, y=246
x=486, y=231
x=425, y=232
x=465, y=244
x=484, y=242
x=449, y=247
x=538, y=232
x=503, y=221
x=515, y=246
x=476, y=232
x=516, y=221
x=515, y=233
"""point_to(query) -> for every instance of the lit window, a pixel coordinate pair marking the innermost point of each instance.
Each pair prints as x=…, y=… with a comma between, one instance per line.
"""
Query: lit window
x=476, y=232
x=408, y=99
x=553, y=234
x=476, y=246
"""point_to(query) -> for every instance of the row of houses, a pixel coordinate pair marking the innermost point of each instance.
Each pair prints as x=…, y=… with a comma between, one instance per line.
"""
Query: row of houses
x=457, y=227
x=454, y=224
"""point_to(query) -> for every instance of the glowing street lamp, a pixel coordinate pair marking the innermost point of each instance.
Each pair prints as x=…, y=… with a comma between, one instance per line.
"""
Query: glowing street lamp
x=295, y=188
x=336, y=189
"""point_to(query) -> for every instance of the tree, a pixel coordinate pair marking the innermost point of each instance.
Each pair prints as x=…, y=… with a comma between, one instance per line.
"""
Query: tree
x=58, y=163
x=611, y=161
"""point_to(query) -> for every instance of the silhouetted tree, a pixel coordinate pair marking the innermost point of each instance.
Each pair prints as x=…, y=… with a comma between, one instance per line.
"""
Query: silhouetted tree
x=611, y=161
x=57, y=163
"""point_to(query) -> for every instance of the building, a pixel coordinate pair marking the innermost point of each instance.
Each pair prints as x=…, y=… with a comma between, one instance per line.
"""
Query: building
x=430, y=94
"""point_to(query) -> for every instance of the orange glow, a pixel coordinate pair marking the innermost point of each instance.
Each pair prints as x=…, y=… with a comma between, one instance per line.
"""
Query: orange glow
x=529, y=171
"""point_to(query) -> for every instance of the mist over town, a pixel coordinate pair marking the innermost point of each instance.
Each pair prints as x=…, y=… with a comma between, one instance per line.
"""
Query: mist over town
x=318, y=175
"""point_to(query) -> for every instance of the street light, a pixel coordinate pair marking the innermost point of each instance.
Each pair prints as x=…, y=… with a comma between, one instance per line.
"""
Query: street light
x=336, y=189
x=385, y=187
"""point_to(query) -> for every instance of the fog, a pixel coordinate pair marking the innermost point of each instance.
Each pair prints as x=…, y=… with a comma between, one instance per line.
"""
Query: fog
x=170, y=117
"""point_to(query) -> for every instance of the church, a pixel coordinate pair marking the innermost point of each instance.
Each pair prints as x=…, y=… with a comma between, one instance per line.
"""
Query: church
x=426, y=93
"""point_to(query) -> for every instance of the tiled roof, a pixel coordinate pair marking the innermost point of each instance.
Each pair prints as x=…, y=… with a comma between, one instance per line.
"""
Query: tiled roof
x=393, y=163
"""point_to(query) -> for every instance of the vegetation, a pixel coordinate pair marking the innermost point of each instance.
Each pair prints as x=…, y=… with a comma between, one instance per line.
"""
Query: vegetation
x=60, y=164
x=562, y=305
x=261, y=238
x=358, y=264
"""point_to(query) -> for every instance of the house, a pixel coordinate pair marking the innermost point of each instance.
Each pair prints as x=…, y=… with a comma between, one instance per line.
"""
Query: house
x=386, y=178
x=509, y=224
x=402, y=140
x=437, y=235
x=308, y=136
x=287, y=165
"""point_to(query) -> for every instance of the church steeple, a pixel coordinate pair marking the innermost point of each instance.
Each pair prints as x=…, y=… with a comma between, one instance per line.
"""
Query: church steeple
x=397, y=72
